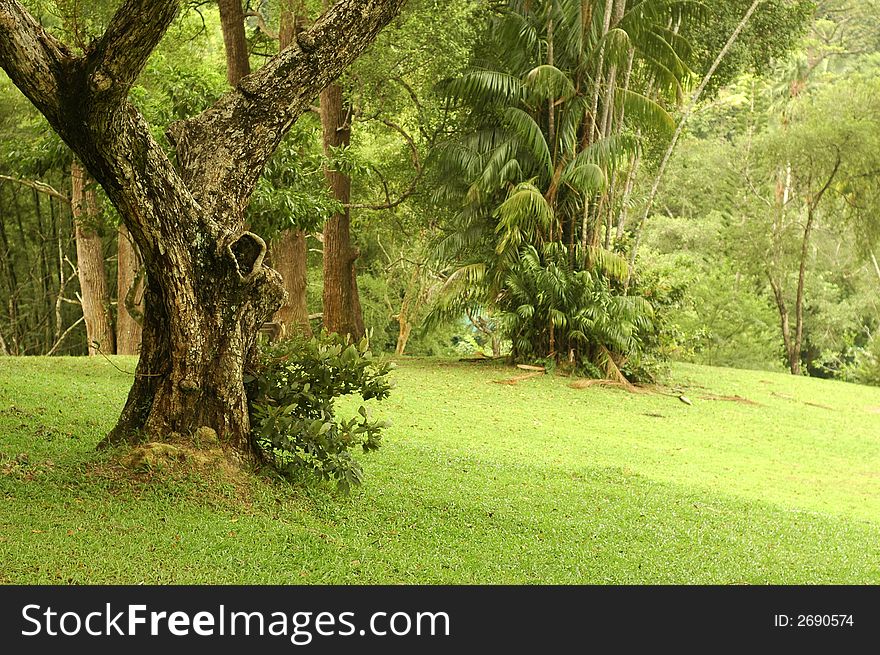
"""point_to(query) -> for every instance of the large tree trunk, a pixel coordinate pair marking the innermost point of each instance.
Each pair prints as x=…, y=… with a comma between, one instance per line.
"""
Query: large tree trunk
x=197, y=338
x=289, y=252
x=130, y=291
x=342, y=312
x=232, y=24
x=90, y=264
x=208, y=290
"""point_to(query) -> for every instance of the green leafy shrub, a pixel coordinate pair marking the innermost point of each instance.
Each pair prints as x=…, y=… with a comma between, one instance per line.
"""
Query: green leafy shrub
x=594, y=326
x=865, y=367
x=292, y=398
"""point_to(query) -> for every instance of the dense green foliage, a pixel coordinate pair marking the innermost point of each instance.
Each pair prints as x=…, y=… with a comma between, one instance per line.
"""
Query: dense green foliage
x=523, y=127
x=535, y=173
x=794, y=148
x=293, y=391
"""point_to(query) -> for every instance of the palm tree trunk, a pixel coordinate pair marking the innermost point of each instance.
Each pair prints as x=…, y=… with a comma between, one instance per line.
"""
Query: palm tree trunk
x=606, y=25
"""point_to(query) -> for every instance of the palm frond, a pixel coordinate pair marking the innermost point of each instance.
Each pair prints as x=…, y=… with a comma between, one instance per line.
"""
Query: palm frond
x=530, y=137
x=586, y=179
x=481, y=85
x=647, y=112
x=547, y=82
x=609, y=263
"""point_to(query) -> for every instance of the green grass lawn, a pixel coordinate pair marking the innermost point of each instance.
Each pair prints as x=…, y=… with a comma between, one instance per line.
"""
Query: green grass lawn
x=476, y=483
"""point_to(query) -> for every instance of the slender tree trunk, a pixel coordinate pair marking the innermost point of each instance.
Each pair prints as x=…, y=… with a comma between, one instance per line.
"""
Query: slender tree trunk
x=129, y=303
x=812, y=205
x=357, y=313
x=593, y=132
x=404, y=316
x=8, y=267
x=551, y=112
x=232, y=24
x=403, y=336
x=340, y=300
x=627, y=193
x=799, y=297
x=289, y=252
x=90, y=265
x=791, y=354
x=45, y=273
x=876, y=265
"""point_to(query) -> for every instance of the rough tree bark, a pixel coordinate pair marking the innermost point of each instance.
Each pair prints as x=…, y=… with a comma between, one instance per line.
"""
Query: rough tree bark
x=207, y=290
x=129, y=310
x=232, y=24
x=289, y=256
x=289, y=253
x=342, y=310
x=90, y=264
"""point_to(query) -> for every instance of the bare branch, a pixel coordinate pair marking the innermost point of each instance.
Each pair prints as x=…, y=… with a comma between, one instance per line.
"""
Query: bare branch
x=261, y=24
x=42, y=187
x=413, y=185
x=415, y=100
x=64, y=335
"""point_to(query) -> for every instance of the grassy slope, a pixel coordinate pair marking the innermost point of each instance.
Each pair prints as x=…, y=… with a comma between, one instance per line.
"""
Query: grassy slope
x=477, y=483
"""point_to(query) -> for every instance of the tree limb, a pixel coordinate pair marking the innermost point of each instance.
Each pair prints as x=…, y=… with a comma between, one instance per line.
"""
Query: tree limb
x=111, y=138
x=417, y=164
x=64, y=335
x=222, y=151
x=32, y=57
x=261, y=24
x=118, y=57
x=42, y=187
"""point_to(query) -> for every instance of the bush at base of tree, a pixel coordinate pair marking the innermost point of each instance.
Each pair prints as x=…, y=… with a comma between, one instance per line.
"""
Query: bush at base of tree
x=292, y=397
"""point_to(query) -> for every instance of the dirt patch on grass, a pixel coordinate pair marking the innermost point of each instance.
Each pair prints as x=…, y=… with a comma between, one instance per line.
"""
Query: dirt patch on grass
x=873, y=410
x=22, y=467
x=586, y=384
x=734, y=399
x=519, y=378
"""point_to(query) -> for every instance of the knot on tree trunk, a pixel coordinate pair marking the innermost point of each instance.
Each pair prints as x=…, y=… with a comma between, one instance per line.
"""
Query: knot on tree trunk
x=306, y=41
x=248, y=252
